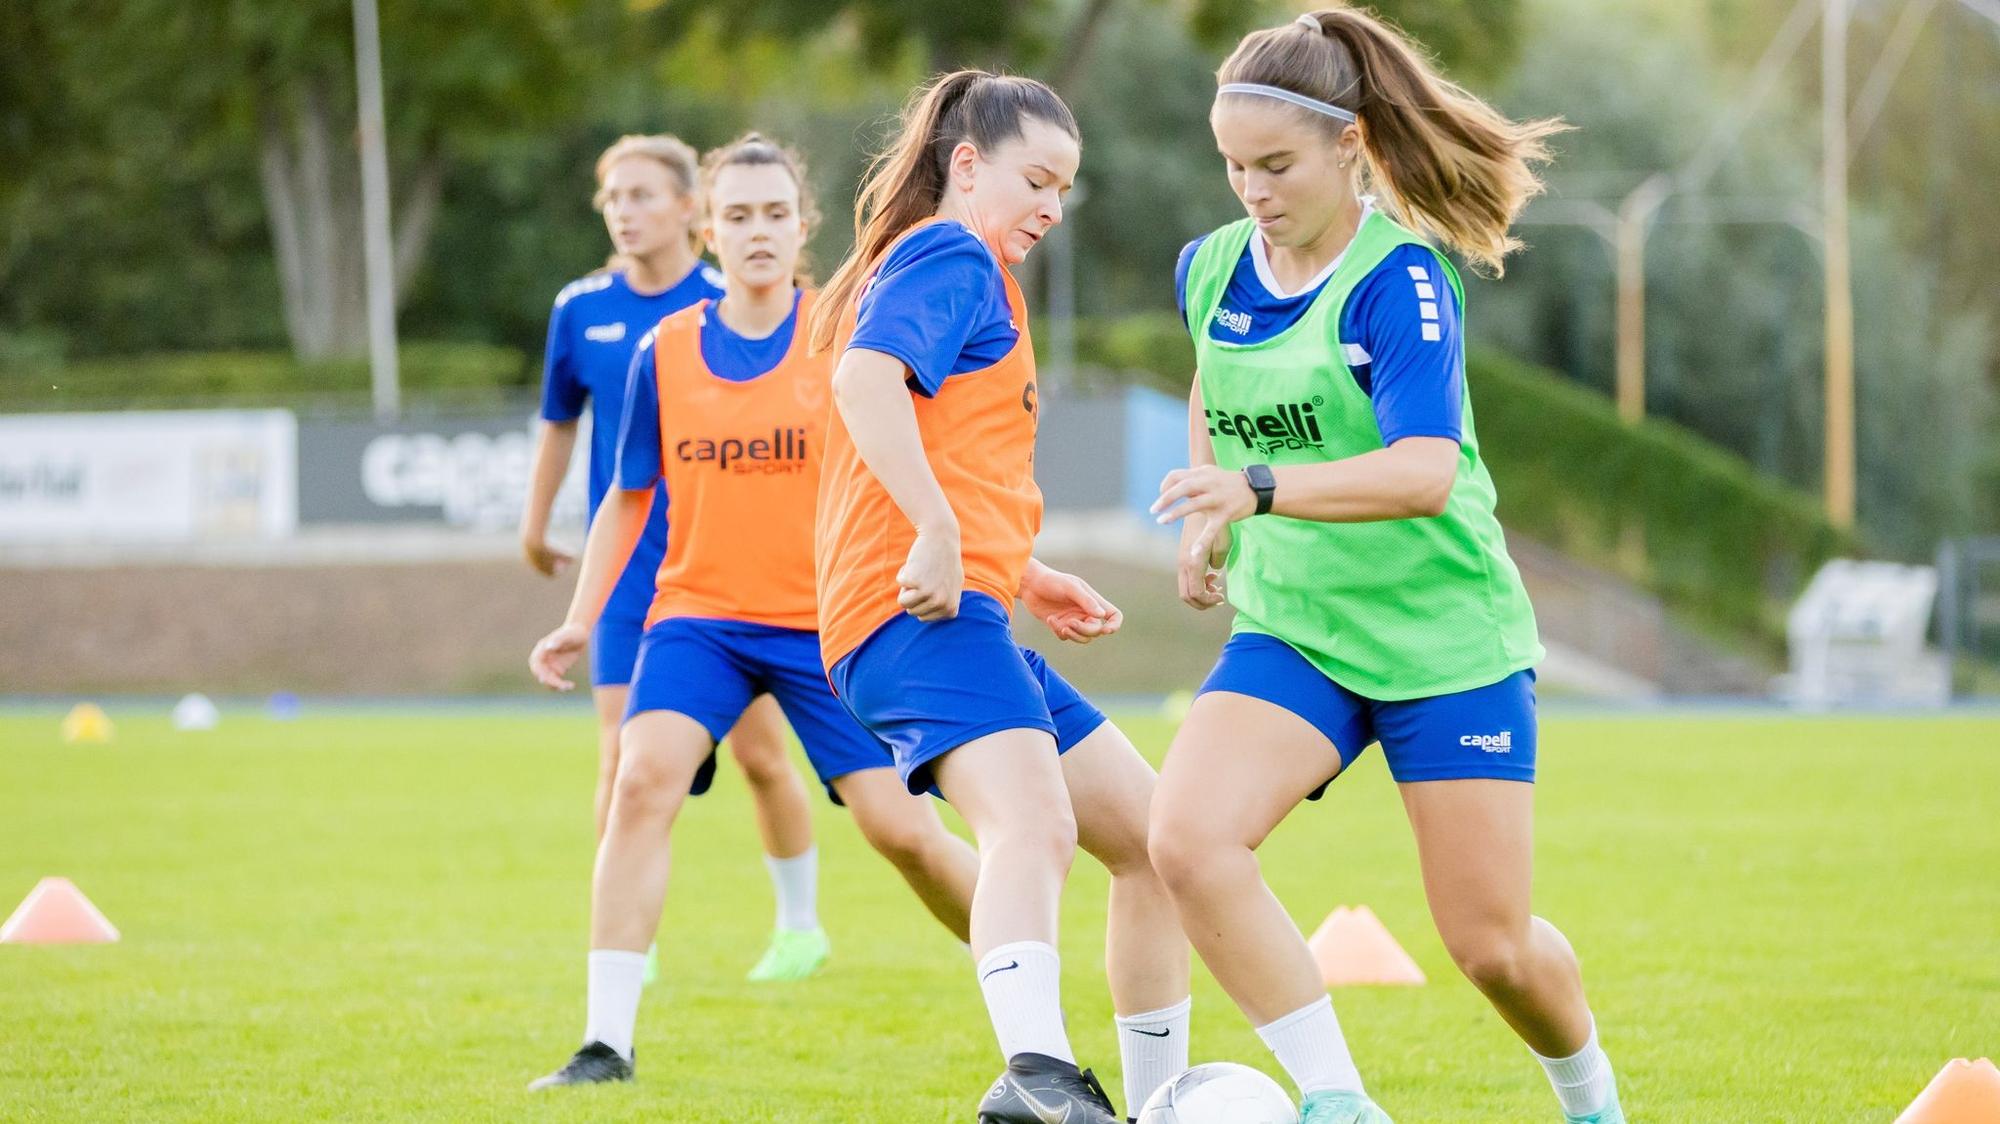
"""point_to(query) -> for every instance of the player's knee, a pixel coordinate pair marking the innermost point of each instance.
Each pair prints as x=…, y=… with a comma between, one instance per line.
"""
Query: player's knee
x=763, y=762
x=645, y=785
x=1046, y=837
x=1494, y=960
x=902, y=843
x=1190, y=864
x=607, y=751
x=1122, y=847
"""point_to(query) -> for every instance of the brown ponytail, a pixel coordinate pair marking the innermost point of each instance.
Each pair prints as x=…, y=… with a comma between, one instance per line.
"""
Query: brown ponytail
x=906, y=180
x=1445, y=163
x=752, y=149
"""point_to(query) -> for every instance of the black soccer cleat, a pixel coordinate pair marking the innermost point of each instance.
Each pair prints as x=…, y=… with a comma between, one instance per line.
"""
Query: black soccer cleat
x=1038, y=1089
x=595, y=1064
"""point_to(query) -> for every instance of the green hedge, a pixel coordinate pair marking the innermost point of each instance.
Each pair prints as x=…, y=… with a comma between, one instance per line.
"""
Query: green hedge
x=1654, y=502
x=457, y=373
x=1666, y=508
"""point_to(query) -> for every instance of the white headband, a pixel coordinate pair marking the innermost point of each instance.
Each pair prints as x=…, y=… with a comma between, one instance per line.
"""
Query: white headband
x=1304, y=102
x=1307, y=21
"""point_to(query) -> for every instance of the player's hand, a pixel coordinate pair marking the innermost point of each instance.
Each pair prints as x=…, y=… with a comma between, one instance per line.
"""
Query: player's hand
x=556, y=653
x=1066, y=603
x=545, y=559
x=1199, y=574
x=932, y=577
x=1220, y=495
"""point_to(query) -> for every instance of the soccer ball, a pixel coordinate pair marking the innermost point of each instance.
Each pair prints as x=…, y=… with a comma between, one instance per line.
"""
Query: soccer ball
x=1219, y=1093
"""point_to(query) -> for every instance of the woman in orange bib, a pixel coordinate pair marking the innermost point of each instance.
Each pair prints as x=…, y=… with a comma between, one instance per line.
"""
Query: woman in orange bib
x=726, y=407
x=928, y=511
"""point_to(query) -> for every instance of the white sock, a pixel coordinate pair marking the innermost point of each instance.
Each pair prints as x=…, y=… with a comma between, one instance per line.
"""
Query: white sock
x=796, y=881
x=1022, y=983
x=1309, y=1045
x=615, y=979
x=1583, y=1080
x=1154, y=1047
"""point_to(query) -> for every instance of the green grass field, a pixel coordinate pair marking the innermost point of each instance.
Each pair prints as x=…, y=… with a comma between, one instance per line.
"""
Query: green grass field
x=378, y=916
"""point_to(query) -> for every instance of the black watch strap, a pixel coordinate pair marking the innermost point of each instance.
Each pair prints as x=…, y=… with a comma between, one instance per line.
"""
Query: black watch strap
x=1263, y=482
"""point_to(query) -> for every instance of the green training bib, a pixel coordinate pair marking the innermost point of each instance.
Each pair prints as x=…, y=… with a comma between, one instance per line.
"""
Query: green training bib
x=1397, y=609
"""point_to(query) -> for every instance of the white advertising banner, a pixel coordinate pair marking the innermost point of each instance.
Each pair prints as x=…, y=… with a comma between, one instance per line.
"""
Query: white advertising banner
x=161, y=476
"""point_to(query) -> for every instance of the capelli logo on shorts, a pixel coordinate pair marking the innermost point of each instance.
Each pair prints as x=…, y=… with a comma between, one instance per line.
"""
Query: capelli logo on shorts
x=1502, y=742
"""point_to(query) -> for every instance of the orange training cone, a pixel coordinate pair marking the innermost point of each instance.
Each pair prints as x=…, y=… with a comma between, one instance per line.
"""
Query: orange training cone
x=1963, y=1092
x=56, y=912
x=1354, y=948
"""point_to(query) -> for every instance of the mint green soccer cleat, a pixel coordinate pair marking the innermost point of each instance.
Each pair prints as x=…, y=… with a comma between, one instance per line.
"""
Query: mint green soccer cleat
x=794, y=954
x=1341, y=1108
x=1609, y=1114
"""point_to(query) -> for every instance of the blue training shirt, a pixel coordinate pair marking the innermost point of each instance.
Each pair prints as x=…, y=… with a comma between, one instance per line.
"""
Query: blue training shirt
x=939, y=304
x=596, y=323
x=1400, y=332
x=726, y=354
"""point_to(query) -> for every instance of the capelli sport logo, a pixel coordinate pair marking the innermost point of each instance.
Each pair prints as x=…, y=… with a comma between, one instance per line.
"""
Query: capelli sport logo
x=1502, y=742
x=1292, y=425
x=780, y=454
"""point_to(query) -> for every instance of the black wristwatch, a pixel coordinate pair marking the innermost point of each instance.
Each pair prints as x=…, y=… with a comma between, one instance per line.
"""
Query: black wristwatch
x=1262, y=482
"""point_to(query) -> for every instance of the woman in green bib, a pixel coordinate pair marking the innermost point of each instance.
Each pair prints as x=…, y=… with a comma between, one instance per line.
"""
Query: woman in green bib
x=1337, y=499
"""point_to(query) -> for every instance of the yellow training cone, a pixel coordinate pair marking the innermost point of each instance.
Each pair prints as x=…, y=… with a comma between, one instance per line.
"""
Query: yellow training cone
x=86, y=722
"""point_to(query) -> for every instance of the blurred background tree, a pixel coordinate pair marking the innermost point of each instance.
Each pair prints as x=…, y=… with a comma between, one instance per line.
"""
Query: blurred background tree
x=177, y=177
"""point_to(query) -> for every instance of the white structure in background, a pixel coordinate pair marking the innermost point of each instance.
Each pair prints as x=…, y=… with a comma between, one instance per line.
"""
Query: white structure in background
x=196, y=712
x=164, y=476
x=1857, y=636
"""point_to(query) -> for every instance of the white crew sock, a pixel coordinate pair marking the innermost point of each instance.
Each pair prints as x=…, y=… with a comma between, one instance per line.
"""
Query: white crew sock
x=1583, y=1080
x=1022, y=983
x=1154, y=1047
x=1309, y=1045
x=796, y=881
x=616, y=977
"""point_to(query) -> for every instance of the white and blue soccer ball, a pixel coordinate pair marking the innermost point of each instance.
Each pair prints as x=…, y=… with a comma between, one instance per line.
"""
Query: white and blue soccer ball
x=1219, y=1093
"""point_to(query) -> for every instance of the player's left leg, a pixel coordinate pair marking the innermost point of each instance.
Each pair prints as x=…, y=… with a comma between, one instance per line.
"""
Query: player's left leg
x=1145, y=952
x=661, y=755
x=687, y=691
x=609, y=702
x=906, y=830
x=614, y=654
x=1474, y=843
x=1465, y=765
x=784, y=820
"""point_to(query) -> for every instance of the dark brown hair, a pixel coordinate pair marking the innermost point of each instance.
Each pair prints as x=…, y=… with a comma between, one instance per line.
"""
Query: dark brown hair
x=906, y=180
x=752, y=149
x=1446, y=164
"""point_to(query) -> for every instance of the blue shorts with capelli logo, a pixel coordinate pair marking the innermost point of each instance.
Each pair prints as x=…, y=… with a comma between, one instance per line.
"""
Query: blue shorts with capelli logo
x=1487, y=732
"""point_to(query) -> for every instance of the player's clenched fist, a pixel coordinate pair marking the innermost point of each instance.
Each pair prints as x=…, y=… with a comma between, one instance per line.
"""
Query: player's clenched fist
x=932, y=578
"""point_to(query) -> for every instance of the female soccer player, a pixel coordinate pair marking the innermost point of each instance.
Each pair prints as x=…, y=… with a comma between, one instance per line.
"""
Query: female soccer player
x=725, y=406
x=1337, y=481
x=927, y=515
x=645, y=190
